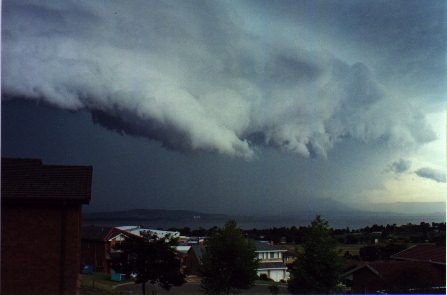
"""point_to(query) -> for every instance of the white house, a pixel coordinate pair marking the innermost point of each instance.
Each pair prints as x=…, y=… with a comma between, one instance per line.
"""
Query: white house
x=271, y=261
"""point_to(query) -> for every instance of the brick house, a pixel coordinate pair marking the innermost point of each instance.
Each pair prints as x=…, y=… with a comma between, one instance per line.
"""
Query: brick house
x=41, y=226
x=98, y=243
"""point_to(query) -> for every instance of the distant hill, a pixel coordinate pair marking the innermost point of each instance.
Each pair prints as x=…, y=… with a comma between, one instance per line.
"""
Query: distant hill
x=152, y=215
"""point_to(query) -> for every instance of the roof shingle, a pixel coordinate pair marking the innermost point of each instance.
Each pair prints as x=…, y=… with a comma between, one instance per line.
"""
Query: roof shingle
x=264, y=247
x=422, y=253
x=30, y=180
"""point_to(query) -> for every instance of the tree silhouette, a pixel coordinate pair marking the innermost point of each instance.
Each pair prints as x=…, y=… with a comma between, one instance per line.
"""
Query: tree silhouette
x=150, y=259
x=229, y=263
x=317, y=270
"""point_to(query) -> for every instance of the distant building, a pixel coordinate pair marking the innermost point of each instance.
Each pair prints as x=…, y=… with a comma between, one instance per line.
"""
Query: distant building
x=140, y=231
x=271, y=261
x=41, y=226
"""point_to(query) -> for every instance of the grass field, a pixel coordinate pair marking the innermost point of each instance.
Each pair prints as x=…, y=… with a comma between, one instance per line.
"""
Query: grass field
x=100, y=281
x=341, y=249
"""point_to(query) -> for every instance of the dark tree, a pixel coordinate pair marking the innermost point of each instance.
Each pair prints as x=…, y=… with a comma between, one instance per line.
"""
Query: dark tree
x=229, y=263
x=317, y=270
x=152, y=260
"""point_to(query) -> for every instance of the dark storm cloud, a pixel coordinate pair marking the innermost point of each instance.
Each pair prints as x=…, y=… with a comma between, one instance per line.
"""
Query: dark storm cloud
x=403, y=41
x=430, y=173
x=400, y=166
x=192, y=76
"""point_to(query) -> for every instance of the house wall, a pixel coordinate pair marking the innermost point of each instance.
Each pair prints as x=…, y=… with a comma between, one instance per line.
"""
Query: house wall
x=364, y=282
x=270, y=255
x=40, y=249
x=192, y=263
x=274, y=274
x=95, y=253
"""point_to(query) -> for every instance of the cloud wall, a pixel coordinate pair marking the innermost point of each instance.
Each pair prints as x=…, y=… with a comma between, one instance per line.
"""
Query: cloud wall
x=191, y=76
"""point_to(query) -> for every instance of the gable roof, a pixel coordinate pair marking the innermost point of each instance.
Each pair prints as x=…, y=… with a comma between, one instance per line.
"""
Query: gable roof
x=199, y=251
x=28, y=180
x=264, y=247
x=103, y=233
x=390, y=270
x=422, y=253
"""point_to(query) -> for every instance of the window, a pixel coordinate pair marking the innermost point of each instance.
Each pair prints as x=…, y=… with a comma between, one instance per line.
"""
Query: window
x=272, y=255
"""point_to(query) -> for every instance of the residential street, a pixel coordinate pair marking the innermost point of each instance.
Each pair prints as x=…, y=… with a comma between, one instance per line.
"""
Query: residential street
x=191, y=289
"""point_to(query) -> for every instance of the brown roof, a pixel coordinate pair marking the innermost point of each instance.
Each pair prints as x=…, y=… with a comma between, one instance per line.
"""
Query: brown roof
x=423, y=253
x=30, y=180
x=390, y=271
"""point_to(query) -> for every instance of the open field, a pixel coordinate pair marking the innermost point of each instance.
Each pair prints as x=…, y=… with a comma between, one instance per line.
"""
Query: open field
x=341, y=248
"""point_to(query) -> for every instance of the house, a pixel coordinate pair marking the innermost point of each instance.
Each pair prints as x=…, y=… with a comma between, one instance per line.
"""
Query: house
x=139, y=231
x=193, y=259
x=98, y=243
x=422, y=253
x=41, y=226
x=182, y=254
x=271, y=261
x=419, y=268
x=395, y=277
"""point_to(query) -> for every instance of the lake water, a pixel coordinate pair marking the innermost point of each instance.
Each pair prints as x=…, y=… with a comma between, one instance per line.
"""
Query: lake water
x=262, y=223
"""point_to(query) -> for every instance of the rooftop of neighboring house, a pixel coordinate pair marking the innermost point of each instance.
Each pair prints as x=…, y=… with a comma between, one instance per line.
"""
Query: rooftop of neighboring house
x=102, y=233
x=422, y=253
x=199, y=251
x=390, y=270
x=182, y=248
x=29, y=180
x=266, y=247
x=138, y=230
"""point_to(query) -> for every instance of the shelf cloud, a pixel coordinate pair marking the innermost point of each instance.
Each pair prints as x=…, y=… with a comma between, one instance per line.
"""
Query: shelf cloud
x=192, y=76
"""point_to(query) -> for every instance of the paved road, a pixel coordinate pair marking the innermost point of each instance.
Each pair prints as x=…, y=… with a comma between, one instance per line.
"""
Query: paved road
x=190, y=289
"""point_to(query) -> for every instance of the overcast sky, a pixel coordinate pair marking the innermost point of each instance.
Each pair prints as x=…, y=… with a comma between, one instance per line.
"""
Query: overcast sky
x=231, y=106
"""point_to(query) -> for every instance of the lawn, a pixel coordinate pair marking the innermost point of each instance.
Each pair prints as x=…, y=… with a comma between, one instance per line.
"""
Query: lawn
x=269, y=283
x=101, y=281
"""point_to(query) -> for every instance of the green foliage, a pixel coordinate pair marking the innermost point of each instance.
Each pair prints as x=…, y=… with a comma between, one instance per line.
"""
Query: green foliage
x=317, y=270
x=229, y=263
x=152, y=260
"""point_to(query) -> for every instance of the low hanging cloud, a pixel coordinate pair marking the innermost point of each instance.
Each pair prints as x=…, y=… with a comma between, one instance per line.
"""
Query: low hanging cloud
x=190, y=76
x=400, y=166
x=430, y=173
